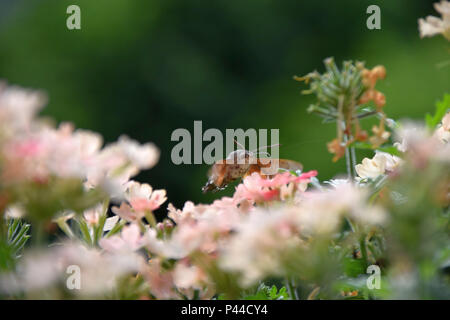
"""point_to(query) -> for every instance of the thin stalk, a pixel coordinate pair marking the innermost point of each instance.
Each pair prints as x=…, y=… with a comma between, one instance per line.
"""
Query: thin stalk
x=290, y=289
x=295, y=288
x=350, y=160
x=362, y=247
x=354, y=160
x=150, y=217
x=38, y=234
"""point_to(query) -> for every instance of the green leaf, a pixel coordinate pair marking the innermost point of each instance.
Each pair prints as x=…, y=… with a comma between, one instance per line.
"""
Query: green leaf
x=268, y=293
x=119, y=225
x=85, y=231
x=385, y=148
x=11, y=246
x=441, y=109
x=98, y=232
x=353, y=267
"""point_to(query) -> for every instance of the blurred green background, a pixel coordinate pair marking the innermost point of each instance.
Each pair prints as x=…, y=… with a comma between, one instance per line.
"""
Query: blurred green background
x=145, y=68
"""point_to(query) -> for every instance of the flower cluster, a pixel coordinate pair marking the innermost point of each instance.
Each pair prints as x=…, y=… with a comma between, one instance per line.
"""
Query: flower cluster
x=285, y=226
x=341, y=97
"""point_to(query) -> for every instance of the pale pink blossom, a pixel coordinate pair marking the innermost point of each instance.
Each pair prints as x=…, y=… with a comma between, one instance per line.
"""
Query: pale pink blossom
x=42, y=271
x=15, y=211
x=18, y=108
x=188, y=277
x=199, y=228
x=93, y=215
x=142, y=156
x=143, y=198
x=321, y=212
x=178, y=215
x=130, y=239
x=165, y=248
x=35, y=150
x=254, y=251
x=160, y=281
x=127, y=213
x=443, y=131
x=259, y=189
x=266, y=237
x=433, y=25
x=421, y=146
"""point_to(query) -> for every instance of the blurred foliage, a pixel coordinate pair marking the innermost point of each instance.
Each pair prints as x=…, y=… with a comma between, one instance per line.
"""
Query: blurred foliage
x=12, y=241
x=145, y=68
x=264, y=292
x=441, y=109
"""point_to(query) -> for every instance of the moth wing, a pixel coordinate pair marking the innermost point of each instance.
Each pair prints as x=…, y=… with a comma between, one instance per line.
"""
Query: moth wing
x=285, y=164
x=290, y=165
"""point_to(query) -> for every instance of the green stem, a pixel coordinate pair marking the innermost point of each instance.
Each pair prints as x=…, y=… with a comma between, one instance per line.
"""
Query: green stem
x=38, y=234
x=291, y=289
x=350, y=160
x=62, y=224
x=363, y=248
x=150, y=217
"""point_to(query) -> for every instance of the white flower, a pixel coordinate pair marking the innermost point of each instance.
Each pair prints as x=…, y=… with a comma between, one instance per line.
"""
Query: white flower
x=91, y=216
x=337, y=182
x=371, y=168
x=254, y=250
x=142, y=197
x=142, y=156
x=130, y=239
x=186, y=276
x=381, y=163
x=443, y=132
x=421, y=146
x=42, y=271
x=432, y=25
x=18, y=107
x=14, y=211
x=110, y=223
x=401, y=146
x=392, y=162
x=173, y=248
x=135, y=189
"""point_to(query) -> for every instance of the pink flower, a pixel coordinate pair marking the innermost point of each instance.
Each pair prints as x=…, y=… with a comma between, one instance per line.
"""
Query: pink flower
x=28, y=148
x=258, y=189
x=187, y=276
x=142, y=156
x=18, y=107
x=432, y=25
x=178, y=215
x=143, y=198
x=142, y=204
x=160, y=281
x=443, y=131
x=127, y=213
x=200, y=227
x=93, y=215
x=130, y=239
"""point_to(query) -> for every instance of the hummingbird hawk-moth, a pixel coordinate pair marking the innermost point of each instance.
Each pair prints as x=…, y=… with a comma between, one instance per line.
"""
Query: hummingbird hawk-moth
x=241, y=163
